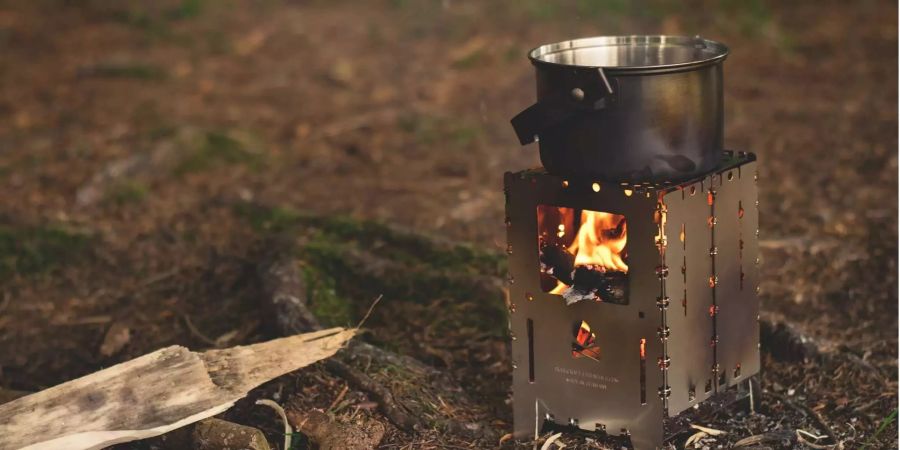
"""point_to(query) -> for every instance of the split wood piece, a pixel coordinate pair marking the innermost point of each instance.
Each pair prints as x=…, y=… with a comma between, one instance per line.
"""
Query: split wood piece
x=155, y=393
x=217, y=434
x=332, y=435
x=285, y=297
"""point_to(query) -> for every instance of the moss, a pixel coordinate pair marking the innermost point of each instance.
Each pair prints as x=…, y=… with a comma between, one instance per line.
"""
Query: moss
x=409, y=268
x=470, y=305
x=126, y=192
x=36, y=250
x=137, y=71
x=407, y=247
x=185, y=9
x=264, y=219
x=324, y=301
x=216, y=149
x=391, y=243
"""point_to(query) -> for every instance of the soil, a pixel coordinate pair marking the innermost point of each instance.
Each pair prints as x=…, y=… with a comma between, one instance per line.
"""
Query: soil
x=136, y=138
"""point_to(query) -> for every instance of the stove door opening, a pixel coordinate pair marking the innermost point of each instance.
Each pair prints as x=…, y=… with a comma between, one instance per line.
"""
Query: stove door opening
x=582, y=254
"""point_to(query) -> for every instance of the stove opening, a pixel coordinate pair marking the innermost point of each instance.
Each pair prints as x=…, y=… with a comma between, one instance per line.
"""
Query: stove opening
x=582, y=254
x=585, y=344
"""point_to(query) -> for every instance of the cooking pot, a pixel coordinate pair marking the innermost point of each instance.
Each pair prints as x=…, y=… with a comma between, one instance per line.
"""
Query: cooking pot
x=627, y=108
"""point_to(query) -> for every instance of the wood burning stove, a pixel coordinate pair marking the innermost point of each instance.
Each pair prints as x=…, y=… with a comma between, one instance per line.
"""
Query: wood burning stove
x=632, y=306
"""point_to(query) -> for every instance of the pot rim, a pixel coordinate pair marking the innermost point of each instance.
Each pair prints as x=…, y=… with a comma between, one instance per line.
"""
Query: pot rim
x=712, y=52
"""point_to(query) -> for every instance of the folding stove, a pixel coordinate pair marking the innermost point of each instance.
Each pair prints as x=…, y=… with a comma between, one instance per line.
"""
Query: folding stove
x=631, y=305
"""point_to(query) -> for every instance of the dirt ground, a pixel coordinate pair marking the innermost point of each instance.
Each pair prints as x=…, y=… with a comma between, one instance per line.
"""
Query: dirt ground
x=129, y=132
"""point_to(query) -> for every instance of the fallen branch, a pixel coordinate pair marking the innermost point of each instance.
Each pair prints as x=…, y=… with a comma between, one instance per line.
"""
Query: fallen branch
x=155, y=393
x=413, y=396
x=286, y=304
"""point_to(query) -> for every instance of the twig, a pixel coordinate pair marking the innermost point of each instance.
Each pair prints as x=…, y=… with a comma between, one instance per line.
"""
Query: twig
x=385, y=399
x=802, y=439
x=197, y=333
x=288, y=431
x=550, y=440
x=339, y=397
x=369, y=312
x=806, y=411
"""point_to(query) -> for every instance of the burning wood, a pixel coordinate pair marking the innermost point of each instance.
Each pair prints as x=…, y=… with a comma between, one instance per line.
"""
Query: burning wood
x=587, y=264
x=576, y=283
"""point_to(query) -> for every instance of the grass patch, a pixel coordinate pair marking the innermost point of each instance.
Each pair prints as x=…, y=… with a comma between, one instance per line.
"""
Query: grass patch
x=428, y=131
x=264, y=219
x=137, y=71
x=216, y=149
x=126, y=192
x=390, y=242
x=470, y=60
x=887, y=421
x=35, y=250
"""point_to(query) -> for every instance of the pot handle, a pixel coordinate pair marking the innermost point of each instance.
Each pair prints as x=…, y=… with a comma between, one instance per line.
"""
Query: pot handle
x=550, y=112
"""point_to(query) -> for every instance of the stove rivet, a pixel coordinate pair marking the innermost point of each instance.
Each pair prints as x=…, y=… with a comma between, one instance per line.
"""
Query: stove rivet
x=596, y=187
x=529, y=296
x=663, y=333
x=565, y=183
x=662, y=302
x=628, y=192
x=664, y=392
x=577, y=94
x=662, y=271
x=512, y=308
x=663, y=362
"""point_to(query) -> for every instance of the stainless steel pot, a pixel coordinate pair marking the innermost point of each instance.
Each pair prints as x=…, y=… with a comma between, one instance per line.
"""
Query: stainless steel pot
x=627, y=108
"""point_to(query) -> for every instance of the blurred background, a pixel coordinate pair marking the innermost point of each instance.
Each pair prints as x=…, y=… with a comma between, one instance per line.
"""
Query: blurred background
x=134, y=133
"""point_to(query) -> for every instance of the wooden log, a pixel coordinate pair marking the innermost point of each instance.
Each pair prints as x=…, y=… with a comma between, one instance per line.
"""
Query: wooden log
x=285, y=299
x=410, y=409
x=155, y=393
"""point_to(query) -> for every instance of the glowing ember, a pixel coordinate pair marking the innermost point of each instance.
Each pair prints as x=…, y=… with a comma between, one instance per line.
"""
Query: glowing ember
x=584, y=342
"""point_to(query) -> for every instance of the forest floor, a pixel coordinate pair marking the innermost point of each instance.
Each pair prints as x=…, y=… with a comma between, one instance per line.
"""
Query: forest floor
x=133, y=135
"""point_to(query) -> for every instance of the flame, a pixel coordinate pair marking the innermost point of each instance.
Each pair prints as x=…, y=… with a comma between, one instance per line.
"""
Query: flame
x=585, y=343
x=600, y=241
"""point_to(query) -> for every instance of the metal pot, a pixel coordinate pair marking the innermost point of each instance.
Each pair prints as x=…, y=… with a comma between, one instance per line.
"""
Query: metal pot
x=627, y=108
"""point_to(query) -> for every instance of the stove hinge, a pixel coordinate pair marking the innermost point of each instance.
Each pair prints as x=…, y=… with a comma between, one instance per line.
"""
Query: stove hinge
x=662, y=272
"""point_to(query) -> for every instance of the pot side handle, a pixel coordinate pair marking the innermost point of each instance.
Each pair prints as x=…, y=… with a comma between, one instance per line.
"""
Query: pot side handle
x=548, y=113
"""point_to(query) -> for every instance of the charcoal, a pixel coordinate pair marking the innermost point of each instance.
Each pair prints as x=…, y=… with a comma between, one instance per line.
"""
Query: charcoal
x=558, y=262
x=597, y=285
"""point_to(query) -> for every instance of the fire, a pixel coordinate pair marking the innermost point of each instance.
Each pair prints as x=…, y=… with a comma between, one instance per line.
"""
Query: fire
x=599, y=243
